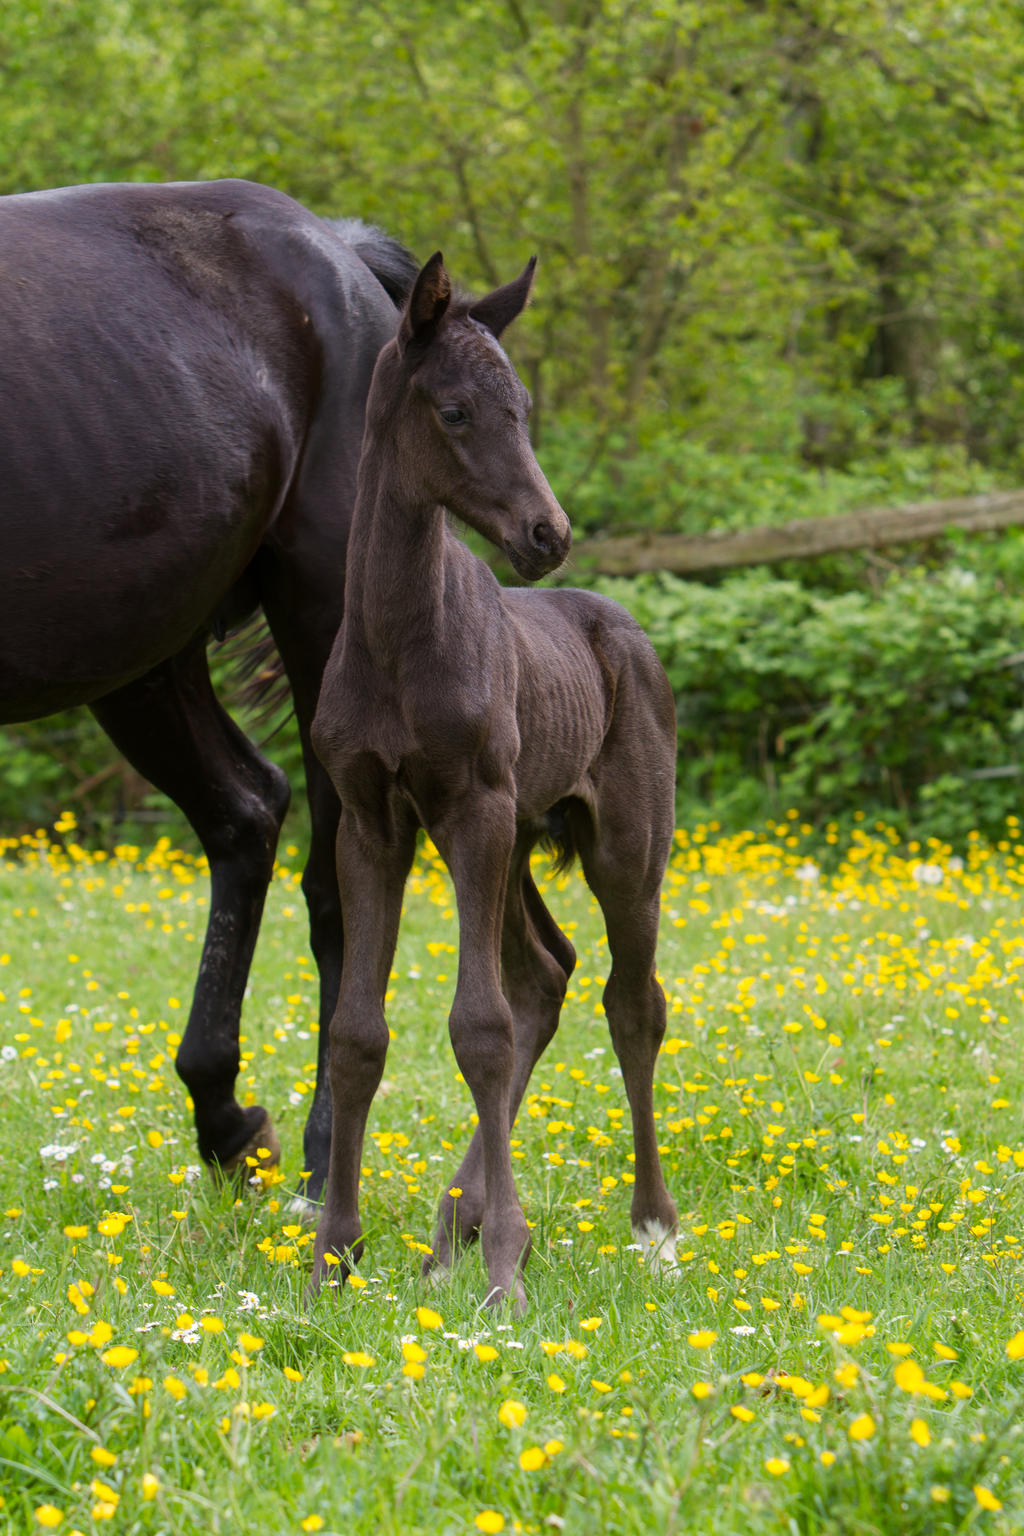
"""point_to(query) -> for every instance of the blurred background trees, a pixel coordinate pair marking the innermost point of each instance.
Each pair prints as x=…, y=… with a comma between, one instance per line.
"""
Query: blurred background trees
x=780, y=245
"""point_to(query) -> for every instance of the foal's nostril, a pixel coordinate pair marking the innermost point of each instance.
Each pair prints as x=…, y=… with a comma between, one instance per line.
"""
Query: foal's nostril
x=541, y=537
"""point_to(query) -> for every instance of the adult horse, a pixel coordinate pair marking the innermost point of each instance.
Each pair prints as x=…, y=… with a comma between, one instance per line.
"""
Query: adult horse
x=183, y=374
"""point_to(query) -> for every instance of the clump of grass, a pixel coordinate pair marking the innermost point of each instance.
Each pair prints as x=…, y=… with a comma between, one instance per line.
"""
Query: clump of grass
x=839, y=1100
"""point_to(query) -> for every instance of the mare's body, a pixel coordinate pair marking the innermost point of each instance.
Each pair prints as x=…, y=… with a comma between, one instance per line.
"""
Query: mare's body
x=183, y=372
x=492, y=718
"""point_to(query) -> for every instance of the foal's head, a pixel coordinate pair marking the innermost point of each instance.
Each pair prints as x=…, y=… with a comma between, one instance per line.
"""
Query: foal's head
x=449, y=401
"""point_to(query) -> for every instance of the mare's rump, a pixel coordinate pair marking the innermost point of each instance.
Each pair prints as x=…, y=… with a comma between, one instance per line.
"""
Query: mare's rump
x=155, y=381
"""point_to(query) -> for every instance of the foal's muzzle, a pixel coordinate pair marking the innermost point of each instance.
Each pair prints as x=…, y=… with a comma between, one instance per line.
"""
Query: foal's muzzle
x=541, y=546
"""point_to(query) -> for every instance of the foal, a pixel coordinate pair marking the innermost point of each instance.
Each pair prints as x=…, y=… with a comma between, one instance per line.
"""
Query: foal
x=493, y=718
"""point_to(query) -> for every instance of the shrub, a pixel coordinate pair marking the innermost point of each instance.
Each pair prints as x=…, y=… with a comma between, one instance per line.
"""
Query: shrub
x=906, y=701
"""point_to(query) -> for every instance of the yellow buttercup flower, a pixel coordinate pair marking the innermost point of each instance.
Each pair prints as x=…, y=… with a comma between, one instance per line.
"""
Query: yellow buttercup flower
x=532, y=1459
x=703, y=1339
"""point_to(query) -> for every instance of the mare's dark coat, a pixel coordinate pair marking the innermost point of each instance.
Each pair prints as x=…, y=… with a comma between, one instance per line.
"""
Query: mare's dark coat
x=183, y=372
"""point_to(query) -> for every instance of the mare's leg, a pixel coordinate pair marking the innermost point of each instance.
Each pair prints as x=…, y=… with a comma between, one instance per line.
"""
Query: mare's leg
x=320, y=888
x=536, y=962
x=301, y=592
x=371, y=885
x=476, y=842
x=172, y=729
x=624, y=864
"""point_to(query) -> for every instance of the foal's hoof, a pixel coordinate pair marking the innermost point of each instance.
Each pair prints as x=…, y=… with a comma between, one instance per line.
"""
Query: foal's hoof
x=658, y=1245
x=260, y=1154
x=301, y=1209
x=515, y=1299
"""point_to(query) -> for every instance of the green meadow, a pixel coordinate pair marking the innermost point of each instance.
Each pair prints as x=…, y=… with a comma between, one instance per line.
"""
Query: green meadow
x=839, y=1348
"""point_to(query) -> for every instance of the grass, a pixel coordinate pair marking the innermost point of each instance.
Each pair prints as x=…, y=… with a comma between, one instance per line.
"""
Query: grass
x=840, y=1098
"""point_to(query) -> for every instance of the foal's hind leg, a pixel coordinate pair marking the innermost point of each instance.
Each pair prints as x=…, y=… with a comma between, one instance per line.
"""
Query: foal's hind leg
x=172, y=729
x=634, y=1003
x=476, y=841
x=536, y=962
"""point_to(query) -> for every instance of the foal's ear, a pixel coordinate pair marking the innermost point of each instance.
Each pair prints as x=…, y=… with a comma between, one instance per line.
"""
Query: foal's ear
x=500, y=308
x=428, y=301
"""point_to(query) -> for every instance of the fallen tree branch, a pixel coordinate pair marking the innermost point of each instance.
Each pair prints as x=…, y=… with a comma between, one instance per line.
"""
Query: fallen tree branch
x=872, y=528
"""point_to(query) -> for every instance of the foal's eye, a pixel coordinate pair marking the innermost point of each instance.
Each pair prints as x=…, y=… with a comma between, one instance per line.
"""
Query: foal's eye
x=452, y=415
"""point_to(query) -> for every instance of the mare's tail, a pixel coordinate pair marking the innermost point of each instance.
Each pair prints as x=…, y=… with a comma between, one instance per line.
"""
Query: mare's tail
x=249, y=675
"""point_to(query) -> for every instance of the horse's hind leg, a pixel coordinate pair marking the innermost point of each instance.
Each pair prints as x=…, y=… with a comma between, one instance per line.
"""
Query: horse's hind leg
x=170, y=726
x=624, y=865
x=536, y=962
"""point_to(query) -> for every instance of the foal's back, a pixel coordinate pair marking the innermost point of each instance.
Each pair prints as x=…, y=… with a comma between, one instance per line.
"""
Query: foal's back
x=587, y=676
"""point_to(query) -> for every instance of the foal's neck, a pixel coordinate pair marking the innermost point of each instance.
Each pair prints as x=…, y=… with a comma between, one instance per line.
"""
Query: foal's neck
x=399, y=549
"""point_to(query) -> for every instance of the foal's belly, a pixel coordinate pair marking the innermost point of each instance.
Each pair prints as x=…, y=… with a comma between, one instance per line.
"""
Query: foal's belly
x=562, y=707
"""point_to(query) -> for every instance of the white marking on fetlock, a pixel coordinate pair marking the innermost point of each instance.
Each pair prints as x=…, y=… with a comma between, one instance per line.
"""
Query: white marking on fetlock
x=438, y=1275
x=303, y=1210
x=658, y=1246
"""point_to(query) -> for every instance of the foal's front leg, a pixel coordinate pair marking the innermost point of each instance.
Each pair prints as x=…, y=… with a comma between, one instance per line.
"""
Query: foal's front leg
x=371, y=886
x=477, y=847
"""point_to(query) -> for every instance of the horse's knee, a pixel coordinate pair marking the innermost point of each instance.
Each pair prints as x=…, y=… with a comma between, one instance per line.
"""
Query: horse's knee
x=482, y=1039
x=359, y=1046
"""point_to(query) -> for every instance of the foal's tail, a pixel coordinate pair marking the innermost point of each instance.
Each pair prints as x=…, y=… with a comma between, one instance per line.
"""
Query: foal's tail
x=394, y=267
x=557, y=837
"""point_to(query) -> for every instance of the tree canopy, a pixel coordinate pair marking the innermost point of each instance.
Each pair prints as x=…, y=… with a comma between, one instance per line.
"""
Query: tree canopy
x=787, y=229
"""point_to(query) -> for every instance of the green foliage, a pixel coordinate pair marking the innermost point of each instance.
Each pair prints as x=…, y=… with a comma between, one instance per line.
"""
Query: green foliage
x=761, y=229
x=906, y=702
x=65, y=762
x=668, y=483
x=779, y=277
x=835, y=698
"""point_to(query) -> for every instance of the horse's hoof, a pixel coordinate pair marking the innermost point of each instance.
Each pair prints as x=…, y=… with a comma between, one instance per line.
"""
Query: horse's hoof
x=515, y=1298
x=301, y=1209
x=260, y=1154
x=658, y=1244
x=436, y=1275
